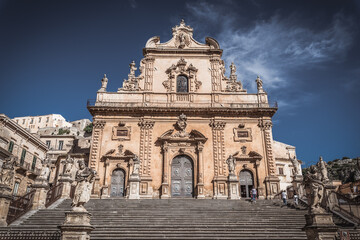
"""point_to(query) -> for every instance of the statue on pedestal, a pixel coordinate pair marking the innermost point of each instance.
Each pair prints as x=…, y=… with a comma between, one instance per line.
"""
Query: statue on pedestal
x=259, y=85
x=295, y=163
x=323, y=169
x=84, y=178
x=45, y=171
x=68, y=165
x=104, y=82
x=231, y=162
x=315, y=192
x=136, y=168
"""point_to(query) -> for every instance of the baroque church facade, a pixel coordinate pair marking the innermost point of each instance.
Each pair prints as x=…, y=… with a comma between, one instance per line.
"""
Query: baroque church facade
x=190, y=126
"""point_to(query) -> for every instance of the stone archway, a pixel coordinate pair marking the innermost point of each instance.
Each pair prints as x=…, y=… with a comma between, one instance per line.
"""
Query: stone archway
x=246, y=183
x=117, y=183
x=182, y=177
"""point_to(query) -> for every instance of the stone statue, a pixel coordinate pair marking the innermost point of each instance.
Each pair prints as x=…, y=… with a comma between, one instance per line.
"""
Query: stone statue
x=104, y=82
x=232, y=69
x=295, y=165
x=132, y=68
x=7, y=172
x=84, y=179
x=121, y=150
x=68, y=165
x=259, y=85
x=243, y=150
x=45, y=171
x=231, y=162
x=323, y=169
x=136, y=165
x=315, y=192
x=181, y=126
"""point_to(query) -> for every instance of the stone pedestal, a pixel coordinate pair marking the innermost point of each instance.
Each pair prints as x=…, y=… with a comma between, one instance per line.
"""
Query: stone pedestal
x=105, y=192
x=272, y=184
x=330, y=200
x=5, y=200
x=233, y=185
x=220, y=188
x=66, y=181
x=134, y=182
x=41, y=187
x=320, y=226
x=165, y=194
x=76, y=226
x=96, y=188
x=200, y=191
x=297, y=185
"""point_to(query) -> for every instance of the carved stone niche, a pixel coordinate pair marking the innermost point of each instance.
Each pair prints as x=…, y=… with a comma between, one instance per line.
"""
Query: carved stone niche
x=242, y=134
x=121, y=132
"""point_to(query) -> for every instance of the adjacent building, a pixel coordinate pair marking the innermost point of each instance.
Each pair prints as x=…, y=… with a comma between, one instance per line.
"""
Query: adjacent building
x=34, y=123
x=186, y=121
x=28, y=149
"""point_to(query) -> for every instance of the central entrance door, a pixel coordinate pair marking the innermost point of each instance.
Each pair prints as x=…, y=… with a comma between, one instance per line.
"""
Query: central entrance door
x=246, y=183
x=117, y=183
x=182, y=177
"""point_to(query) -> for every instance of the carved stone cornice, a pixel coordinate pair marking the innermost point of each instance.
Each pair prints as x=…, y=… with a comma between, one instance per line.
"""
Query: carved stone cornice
x=100, y=124
x=217, y=125
x=144, y=124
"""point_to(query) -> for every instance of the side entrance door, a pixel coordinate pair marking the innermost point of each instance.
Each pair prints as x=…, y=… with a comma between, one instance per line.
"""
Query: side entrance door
x=182, y=177
x=117, y=183
x=246, y=183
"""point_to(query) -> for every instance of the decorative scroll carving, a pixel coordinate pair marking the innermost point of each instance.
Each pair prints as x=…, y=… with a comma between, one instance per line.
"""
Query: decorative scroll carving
x=132, y=83
x=265, y=126
x=218, y=147
x=232, y=85
x=180, y=69
x=145, y=145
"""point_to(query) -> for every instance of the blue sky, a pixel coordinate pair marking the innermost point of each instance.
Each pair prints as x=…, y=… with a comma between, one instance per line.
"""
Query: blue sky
x=54, y=53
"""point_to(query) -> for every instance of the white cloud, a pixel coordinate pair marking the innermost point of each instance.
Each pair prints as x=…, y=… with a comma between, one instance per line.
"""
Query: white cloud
x=274, y=47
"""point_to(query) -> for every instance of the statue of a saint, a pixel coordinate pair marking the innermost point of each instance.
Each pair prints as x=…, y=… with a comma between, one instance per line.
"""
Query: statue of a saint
x=45, y=171
x=84, y=179
x=231, y=162
x=259, y=84
x=232, y=69
x=295, y=165
x=104, y=82
x=323, y=169
x=315, y=192
x=136, y=168
x=132, y=69
x=7, y=172
x=68, y=165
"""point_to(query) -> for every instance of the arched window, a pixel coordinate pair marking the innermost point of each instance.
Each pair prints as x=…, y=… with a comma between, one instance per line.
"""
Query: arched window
x=182, y=84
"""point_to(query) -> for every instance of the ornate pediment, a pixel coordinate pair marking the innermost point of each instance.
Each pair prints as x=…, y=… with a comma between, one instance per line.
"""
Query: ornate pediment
x=182, y=39
x=119, y=153
x=243, y=156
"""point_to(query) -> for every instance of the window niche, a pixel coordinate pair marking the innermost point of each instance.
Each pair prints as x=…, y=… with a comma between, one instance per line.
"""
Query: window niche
x=121, y=132
x=242, y=134
x=182, y=84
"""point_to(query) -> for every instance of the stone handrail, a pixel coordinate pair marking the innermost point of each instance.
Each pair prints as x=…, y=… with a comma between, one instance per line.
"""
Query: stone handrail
x=53, y=194
x=20, y=206
x=347, y=206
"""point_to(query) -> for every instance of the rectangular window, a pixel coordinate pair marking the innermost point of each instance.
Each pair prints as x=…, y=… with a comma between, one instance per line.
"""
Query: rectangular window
x=32, y=121
x=281, y=171
x=16, y=188
x=121, y=132
x=11, y=146
x=22, y=159
x=28, y=189
x=39, y=119
x=23, y=121
x=47, y=119
x=61, y=143
x=33, y=163
x=242, y=134
x=48, y=143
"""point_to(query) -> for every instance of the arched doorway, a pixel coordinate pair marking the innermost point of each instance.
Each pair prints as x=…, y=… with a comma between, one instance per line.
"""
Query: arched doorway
x=182, y=181
x=117, y=183
x=246, y=183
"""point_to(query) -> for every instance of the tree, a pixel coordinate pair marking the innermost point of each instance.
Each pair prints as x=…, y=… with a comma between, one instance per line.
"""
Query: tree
x=89, y=128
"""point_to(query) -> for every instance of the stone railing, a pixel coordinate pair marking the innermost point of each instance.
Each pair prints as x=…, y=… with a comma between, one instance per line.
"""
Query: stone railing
x=348, y=207
x=53, y=194
x=20, y=206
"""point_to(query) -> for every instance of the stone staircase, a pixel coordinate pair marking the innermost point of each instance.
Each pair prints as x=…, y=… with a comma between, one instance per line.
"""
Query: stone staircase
x=171, y=219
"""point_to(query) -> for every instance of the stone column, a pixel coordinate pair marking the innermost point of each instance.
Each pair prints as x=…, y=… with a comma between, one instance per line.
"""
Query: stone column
x=41, y=187
x=200, y=184
x=233, y=185
x=5, y=200
x=165, y=185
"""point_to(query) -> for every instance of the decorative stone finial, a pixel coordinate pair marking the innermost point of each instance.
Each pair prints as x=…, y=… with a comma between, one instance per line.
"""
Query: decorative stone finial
x=104, y=82
x=259, y=85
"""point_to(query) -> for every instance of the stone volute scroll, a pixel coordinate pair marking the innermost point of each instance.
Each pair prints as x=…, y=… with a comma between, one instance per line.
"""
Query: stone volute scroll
x=104, y=82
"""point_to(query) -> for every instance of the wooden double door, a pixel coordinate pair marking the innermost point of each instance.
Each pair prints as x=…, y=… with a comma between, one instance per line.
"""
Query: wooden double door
x=117, y=183
x=182, y=179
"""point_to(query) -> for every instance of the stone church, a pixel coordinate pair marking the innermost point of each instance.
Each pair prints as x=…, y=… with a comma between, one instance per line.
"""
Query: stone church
x=195, y=132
